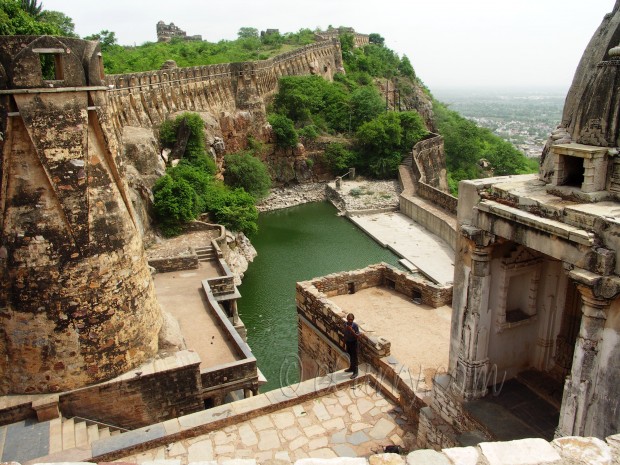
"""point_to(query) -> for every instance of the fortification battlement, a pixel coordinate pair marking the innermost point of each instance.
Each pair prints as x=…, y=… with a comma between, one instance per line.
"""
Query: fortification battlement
x=358, y=39
x=222, y=70
x=30, y=62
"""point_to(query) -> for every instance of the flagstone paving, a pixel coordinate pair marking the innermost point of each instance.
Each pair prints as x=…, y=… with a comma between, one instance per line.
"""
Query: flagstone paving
x=351, y=422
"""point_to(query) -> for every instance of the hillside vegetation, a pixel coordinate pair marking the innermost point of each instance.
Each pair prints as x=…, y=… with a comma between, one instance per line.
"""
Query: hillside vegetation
x=365, y=129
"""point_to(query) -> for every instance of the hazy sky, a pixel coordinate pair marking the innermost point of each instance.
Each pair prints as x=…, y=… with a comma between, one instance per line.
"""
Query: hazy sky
x=451, y=43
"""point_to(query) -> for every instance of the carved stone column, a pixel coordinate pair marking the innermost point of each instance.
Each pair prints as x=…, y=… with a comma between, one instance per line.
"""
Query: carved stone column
x=578, y=389
x=472, y=366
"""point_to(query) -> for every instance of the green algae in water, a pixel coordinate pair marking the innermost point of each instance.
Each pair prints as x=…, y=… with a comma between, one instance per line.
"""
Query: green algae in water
x=295, y=244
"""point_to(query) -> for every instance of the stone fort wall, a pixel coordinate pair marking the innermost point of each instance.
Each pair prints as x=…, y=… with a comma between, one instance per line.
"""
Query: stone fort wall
x=77, y=303
x=146, y=99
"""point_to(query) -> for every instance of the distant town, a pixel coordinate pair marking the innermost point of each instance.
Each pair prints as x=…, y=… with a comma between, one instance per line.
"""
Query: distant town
x=523, y=117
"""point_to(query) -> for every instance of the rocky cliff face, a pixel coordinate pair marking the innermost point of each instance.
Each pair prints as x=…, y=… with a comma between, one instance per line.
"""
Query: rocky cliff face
x=592, y=109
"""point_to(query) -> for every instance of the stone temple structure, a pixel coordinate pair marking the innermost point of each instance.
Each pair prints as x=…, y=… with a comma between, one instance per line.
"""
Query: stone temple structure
x=537, y=275
x=77, y=304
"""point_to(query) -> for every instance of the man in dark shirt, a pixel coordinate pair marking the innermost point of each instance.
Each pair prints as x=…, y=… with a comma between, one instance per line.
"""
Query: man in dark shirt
x=351, y=334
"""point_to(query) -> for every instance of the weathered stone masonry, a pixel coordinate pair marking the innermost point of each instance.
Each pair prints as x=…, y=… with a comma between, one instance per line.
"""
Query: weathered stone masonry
x=76, y=298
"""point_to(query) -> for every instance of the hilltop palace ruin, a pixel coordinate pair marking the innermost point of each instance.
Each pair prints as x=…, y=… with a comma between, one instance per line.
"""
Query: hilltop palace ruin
x=535, y=299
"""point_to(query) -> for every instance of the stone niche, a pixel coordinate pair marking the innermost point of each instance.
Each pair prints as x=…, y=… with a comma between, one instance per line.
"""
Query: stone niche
x=520, y=275
x=580, y=166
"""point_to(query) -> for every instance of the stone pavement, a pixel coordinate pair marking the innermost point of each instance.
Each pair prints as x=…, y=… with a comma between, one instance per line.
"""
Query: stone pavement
x=406, y=238
x=180, y=293
x=350, y=422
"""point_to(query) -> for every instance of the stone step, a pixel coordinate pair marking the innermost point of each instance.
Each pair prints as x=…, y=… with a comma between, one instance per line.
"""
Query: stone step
x=2, y=438
x=104, y=433
x=55, y=435
x=81, y=434
x=68, y=434
x=115, y=432
x=93, y=433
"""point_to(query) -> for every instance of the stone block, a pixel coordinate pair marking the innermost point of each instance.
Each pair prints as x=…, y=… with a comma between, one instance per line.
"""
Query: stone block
x=520, y=452
x=427, y=457
x=614, y=444
x=323, y=461
x=591, y=451
x=239, y=462
x=46, y=408
x=386, y=459
x=462, y=455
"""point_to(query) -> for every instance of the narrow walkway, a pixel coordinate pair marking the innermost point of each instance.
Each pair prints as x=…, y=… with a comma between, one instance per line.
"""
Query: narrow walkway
x=180, y=293
x=406, y=238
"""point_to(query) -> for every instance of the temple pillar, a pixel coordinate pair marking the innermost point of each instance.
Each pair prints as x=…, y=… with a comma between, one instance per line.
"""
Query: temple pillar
x=472, y=365
x=578, y=388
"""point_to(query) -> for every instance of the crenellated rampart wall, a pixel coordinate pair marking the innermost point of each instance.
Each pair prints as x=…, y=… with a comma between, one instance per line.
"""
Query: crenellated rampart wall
x=145, y=99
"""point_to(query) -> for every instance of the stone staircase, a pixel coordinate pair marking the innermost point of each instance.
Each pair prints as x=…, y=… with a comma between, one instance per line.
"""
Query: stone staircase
x=408, y=160
x=205, y=254
x=29, y=439
x=67, y=433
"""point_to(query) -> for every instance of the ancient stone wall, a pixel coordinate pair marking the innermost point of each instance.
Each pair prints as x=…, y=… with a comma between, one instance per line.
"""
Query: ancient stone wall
x=321, y=321
x=146, y=99
x=77, y=304
x=139, y=400
x=359, y=40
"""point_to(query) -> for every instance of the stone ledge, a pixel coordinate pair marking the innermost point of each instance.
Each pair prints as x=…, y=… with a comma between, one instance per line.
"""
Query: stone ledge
x=567, y=450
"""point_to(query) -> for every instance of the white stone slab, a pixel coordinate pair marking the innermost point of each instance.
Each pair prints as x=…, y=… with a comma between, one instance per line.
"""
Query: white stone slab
x=341, y=461
x=592, y=451
x=462, y=455
x=520, y=452
x=427, y=457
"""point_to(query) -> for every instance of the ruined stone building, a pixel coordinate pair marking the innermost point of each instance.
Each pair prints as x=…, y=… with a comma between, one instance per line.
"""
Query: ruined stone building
x=537, y=277
x=167, y=32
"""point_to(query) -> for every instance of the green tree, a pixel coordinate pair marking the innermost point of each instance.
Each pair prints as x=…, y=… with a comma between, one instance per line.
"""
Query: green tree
x=174, y=204
x=413, y=127
x=366, y=104
x=248, y=33
x=32, y=7
x=376, y=39
x=234, y=209
x=339, y=159
x=106, y=38
x=284, y=130
x=248, y=172
x=405, y=67
x=195, y=149
x=60, y=20
x=14, y=20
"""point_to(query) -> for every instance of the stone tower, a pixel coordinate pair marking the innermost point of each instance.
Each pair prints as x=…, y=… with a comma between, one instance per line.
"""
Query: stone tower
x=77, y=303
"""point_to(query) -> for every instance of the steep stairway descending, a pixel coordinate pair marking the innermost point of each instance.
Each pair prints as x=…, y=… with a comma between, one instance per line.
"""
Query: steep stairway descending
x=67, y=433
x=28, y=439
x=205, y=254
x=407, y=161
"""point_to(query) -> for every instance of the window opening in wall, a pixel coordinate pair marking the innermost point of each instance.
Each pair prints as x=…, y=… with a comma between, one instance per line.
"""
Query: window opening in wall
x=416, y=295
x=390, y=284
x=573, y=171
x=209, y=403
x=101, y=71
x=51, y=66
x=351, y=287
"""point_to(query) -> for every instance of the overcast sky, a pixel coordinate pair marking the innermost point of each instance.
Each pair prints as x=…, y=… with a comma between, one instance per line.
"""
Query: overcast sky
x=451, y=43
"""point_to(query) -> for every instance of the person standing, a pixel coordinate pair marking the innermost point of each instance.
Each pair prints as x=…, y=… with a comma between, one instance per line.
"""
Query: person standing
x=351, y=335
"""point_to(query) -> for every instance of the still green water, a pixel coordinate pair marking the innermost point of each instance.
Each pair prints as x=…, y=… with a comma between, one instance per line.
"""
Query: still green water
x=295, y=244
